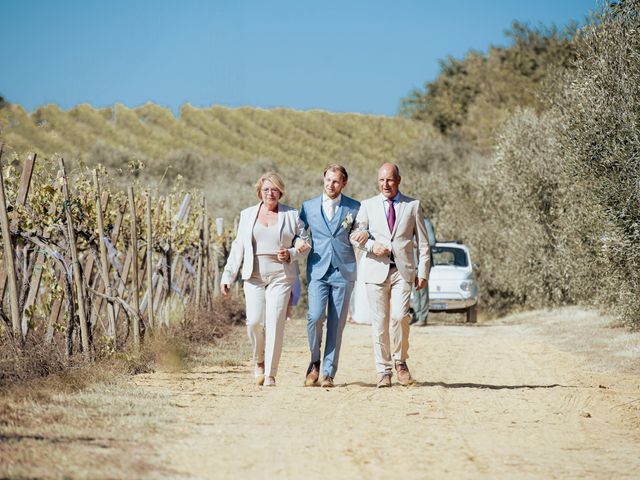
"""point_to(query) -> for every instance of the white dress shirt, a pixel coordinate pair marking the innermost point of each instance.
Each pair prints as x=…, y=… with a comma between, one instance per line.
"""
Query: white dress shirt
x=330, y=205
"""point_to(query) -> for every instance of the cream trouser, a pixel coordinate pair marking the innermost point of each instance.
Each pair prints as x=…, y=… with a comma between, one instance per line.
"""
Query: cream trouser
x=390, y=302
x=267, y=296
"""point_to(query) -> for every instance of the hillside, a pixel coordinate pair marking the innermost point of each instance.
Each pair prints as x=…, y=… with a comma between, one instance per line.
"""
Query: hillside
x=215, y=147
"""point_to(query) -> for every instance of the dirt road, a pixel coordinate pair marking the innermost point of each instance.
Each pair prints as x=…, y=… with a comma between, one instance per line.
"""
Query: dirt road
x=514, y=399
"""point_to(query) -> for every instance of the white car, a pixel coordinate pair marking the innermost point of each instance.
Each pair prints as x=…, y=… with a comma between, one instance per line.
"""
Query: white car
x=452, y=282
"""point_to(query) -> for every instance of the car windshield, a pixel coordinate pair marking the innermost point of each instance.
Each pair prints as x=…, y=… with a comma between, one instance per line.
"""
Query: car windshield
x=449, y=256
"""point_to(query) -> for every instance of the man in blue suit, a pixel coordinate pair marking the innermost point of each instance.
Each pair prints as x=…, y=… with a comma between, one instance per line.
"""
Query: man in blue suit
x=331, y=271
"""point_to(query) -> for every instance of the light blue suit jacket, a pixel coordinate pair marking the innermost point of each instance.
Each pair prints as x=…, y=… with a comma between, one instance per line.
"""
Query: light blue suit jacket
x=330, y=243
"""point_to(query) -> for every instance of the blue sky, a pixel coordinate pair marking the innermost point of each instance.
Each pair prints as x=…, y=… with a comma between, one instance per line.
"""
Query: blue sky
x=342, y=56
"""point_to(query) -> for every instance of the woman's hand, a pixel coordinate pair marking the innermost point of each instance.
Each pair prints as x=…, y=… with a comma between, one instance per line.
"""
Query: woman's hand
x=224, y=288
x=283, y=255
x=302, y=246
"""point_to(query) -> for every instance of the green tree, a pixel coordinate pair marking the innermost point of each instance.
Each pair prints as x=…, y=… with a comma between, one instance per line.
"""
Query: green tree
x=475, y=95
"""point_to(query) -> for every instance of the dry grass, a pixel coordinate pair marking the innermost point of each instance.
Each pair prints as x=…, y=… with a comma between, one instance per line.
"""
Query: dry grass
x=206, y=325
x=47, y=423
x=103, y=431
x=233, y=350
x=86, y=421
x=169, y=349
x=211, y=332
x=36, y=358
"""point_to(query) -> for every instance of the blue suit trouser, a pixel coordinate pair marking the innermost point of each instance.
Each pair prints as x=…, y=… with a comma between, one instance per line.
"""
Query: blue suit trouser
x=328, y=299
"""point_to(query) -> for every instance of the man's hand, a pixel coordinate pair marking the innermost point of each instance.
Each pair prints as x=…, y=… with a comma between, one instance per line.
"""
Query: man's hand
x=301, y=246
x=420, y=283
x=224, y=288
x=360, y=237
x=380, y=250
x=283, y=255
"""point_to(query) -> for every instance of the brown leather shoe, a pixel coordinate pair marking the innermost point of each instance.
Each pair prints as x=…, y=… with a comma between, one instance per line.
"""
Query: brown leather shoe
x=313, y=373
x=327, y=382
x=404, y=376
x=384, y=380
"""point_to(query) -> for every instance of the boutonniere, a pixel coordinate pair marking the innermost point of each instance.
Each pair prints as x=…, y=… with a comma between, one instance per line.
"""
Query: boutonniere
x=348, y=221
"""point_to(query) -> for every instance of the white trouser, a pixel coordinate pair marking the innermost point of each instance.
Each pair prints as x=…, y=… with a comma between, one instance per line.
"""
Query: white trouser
x=390, y=302
x=267, y=296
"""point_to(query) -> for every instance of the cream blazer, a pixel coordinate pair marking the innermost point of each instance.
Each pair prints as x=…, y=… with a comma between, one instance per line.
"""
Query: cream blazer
x=242, y=247
x=409, y=226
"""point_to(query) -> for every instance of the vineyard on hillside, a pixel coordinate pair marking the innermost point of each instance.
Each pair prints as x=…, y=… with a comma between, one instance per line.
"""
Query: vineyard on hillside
x=86, y=270
x=215, y=149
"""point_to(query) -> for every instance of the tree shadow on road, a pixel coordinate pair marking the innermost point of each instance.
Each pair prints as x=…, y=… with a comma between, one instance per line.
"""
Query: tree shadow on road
x=358, y=384
x=489, y=387
x=463, y=385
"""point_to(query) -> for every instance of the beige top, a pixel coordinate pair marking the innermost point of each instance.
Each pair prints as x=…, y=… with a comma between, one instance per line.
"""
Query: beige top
x=266, y=240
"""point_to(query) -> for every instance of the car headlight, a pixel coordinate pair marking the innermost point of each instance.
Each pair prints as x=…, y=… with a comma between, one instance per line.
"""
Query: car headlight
x=467, y=285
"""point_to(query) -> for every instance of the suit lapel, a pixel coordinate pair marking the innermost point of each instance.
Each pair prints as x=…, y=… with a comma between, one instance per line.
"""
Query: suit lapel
x=254, y=215
x=252, y=218
x=322, y=219
x=382, y=214
x=281, y=215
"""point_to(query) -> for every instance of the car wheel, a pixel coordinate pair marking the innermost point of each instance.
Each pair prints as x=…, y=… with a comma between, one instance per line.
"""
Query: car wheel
x=472, y=314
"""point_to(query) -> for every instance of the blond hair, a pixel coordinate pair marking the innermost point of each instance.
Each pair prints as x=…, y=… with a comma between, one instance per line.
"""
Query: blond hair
x=272, y=177
x=336, y=168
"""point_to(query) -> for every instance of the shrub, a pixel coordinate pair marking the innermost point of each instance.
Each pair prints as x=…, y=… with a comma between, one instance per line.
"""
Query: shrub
x=599, y=113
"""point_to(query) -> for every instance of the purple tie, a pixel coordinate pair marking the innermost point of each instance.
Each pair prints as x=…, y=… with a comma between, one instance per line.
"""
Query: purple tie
x=391, y=219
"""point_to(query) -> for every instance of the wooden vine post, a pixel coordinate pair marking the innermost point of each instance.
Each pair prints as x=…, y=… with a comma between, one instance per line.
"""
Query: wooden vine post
x=167, y=301
x=104, y=264
x=149, y=264
x=21, y=200
x=216, y=274
x=205, y=252
x=135, y=304
x=199, y=268
x=84, y=331
x=34, y=281
x=8, y=258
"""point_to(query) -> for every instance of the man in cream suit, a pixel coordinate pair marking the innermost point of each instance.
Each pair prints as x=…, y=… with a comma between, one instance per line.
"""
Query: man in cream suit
x=389, y=224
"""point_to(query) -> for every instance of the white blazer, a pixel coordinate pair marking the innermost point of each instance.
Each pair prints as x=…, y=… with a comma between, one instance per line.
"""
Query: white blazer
x=409, y=226
x=242, y=253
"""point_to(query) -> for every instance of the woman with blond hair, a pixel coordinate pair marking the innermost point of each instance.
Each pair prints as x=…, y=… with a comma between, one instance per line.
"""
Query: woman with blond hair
x=265, y=249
